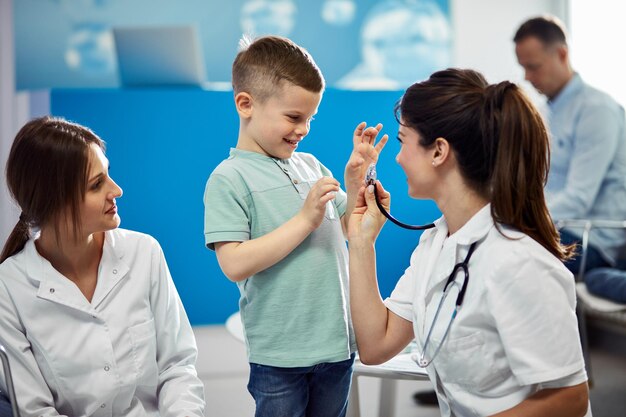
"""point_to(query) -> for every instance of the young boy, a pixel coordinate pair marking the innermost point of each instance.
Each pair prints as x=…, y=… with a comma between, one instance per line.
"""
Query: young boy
x=275, y=218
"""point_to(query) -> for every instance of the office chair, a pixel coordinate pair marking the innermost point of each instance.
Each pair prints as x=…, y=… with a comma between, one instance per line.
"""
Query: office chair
x=12, y=406
x=589, y=306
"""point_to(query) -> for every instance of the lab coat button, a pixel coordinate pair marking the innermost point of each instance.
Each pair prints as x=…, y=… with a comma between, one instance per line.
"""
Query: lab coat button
x=106, y=368
x=51, y=290
x=296, y=181
x=103, y=405
x=115, y=271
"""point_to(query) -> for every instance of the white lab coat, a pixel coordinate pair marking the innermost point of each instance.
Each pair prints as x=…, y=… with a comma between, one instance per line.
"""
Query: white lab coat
x=130, y=352
x=516, y=331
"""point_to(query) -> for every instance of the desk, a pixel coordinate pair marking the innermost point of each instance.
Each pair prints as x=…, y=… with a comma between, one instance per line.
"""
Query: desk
x=399, y=367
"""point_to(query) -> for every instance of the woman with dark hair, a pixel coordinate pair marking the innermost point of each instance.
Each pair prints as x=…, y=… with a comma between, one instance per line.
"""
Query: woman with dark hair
x=89, y=314
x=486, y=295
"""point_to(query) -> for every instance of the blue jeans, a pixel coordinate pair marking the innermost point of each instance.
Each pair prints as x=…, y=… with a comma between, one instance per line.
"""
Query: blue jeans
x=313, y=391
x=5, y=406
x=608, y=283
x=594, y=258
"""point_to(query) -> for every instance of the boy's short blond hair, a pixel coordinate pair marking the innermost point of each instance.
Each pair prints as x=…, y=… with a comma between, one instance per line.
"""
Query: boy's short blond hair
x=263, y=64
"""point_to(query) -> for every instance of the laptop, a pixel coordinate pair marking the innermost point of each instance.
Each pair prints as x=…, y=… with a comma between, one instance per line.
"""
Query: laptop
x=159, y=56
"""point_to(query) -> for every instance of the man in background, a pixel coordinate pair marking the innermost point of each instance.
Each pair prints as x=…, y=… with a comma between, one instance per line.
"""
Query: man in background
x=587, y=178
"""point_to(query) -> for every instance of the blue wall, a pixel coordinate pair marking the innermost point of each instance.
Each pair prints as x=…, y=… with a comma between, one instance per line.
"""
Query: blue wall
x=163, y=144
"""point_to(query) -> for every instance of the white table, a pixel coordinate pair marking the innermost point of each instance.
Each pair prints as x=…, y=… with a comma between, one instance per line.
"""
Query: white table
x=399, y=367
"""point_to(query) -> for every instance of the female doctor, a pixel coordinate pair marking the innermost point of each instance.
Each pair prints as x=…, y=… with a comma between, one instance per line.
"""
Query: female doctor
x=89, y=314
x=511, y=348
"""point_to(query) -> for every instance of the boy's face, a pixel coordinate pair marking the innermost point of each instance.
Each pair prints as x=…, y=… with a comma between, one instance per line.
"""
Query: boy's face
x=276, y=126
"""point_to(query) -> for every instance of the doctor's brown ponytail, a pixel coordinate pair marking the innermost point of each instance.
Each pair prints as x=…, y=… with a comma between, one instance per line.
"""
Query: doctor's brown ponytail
x=521, y=165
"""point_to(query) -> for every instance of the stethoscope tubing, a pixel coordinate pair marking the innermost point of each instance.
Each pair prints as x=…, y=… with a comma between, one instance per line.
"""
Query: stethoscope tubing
x=396, y=221
x=422, y=362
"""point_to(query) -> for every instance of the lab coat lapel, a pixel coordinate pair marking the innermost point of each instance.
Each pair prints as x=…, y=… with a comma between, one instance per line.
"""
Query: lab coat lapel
x=455, y=248
x=112, y=269
x=424, y=284
x=63, y=291
x=441, y=271
x=53, y=286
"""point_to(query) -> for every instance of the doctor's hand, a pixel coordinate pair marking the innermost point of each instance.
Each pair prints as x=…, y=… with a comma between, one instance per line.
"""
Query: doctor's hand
x=366, y=220
x=365, y=151
x=314, y=207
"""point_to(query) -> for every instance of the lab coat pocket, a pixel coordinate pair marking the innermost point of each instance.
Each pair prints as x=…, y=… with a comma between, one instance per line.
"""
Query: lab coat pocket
x=143, y=339
x=465, y=361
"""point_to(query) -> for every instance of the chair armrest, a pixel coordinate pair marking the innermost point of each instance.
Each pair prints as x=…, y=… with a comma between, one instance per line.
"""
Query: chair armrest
x=591, y=224
x=586, y=225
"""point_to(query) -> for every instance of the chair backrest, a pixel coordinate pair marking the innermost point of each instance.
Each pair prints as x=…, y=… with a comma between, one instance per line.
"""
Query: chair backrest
x=6, y=369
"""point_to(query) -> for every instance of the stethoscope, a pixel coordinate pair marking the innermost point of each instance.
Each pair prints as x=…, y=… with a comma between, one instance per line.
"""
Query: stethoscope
x=370, y=179
x=421, y=360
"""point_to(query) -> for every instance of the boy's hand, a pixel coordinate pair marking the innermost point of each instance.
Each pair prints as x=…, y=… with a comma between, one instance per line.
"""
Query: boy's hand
x=364, y=153
x=314, y=207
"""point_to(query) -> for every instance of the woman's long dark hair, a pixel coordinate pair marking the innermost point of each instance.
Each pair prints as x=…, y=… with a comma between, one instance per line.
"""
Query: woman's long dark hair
x=46, y=174
x=499, y=140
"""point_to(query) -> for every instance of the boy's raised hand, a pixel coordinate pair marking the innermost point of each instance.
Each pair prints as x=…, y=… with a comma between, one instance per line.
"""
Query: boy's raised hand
x=365, y=152
x=314, y=207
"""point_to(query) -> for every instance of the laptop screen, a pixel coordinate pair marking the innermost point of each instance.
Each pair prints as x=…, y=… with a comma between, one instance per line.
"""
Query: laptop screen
x=159, y=56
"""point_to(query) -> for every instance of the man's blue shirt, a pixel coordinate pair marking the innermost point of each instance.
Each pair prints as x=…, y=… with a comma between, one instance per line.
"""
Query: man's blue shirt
x=587, y=178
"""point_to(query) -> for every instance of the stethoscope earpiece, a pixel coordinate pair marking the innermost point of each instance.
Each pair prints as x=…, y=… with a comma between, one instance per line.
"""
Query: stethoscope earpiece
x=421, y=362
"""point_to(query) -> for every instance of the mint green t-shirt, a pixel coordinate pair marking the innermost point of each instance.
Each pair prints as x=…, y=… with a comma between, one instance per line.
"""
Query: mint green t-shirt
x=297, y=312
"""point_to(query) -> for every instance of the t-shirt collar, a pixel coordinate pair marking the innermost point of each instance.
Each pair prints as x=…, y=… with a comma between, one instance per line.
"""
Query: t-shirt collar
x=241, y=153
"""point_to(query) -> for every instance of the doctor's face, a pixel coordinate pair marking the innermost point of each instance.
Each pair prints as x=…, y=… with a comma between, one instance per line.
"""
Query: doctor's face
x=98, y=212
x=416, y=162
